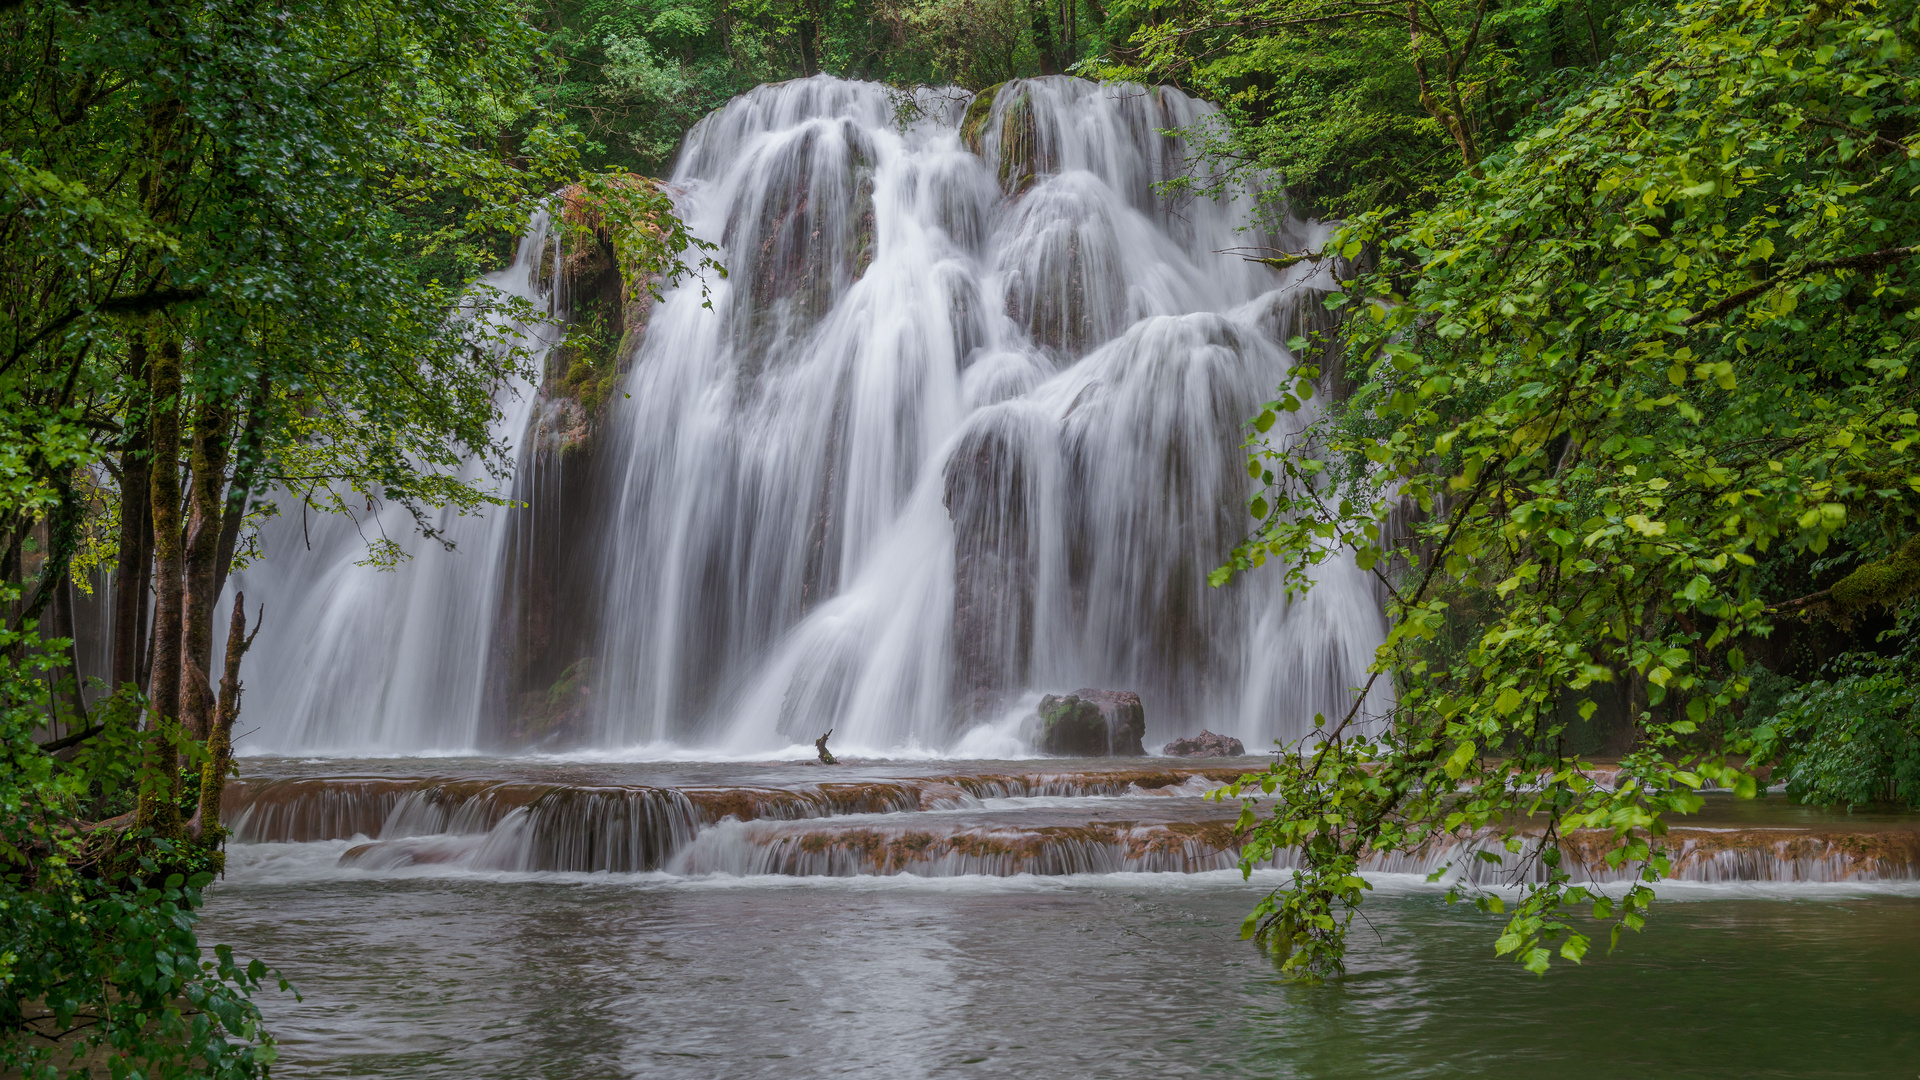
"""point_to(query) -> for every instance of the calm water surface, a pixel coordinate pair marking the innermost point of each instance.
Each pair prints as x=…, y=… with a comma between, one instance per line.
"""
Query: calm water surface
x=590, y=976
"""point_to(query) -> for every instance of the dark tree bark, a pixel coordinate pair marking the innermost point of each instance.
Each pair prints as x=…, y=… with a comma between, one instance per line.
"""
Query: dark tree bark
x=158, y=809
x=213, y=775
x=246, y=467
x=60, y=619
x=143, y=622
x=1041, y=14
x=809, y=52
x=60, y=540
x=128, y=633
x=199, y=574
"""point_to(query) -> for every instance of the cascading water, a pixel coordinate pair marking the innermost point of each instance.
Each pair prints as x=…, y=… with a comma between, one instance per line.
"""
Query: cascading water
x=962, y=424
x=360, y=660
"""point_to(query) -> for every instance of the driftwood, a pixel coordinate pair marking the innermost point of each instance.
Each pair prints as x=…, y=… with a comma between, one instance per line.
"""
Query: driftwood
x=820, y=744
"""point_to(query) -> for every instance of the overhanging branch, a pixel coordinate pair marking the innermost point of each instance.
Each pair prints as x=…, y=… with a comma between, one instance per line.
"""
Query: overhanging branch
x=1869, y=261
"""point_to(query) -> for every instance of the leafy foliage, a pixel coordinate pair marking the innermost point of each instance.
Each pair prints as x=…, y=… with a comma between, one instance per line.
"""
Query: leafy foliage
x=96, y=925
x=636, y=75
x=238, y=254
x=1665, y=334
x=1853, y=740
x=1358, y=105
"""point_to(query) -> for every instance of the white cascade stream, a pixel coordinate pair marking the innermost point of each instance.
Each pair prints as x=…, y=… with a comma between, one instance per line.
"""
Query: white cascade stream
x=945, y=439
x=360, y=661
x=957, y=429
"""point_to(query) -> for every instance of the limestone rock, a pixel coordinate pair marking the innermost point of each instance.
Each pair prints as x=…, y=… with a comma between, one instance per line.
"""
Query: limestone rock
x=1205, y=744
x=1126, y=720
x=1093, y=723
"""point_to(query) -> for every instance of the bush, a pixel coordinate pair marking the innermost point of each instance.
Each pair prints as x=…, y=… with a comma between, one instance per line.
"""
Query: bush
x=1852, y=741
x=97, y=946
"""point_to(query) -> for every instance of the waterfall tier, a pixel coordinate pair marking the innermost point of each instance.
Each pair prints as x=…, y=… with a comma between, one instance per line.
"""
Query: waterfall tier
x=1095, y=819
x=960, y=426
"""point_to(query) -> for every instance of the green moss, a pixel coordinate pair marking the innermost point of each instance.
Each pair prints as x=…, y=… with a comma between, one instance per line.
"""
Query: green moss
x=1889, y=581
x=1017, y=146
x=973, y=128
x=1072, y=727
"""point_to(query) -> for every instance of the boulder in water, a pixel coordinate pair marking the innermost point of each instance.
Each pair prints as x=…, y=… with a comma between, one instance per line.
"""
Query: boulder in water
x=1093, y=723
x=1206, y=744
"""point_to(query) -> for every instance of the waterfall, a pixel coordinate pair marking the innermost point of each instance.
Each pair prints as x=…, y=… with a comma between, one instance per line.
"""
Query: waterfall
x=361, y=660
x=959, y=426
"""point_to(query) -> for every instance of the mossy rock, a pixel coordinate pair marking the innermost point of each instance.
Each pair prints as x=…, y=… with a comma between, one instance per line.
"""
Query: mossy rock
x=1019, y=146
x=1092, y=723
x=1072, y=727
x=1018, y=140
x=560, y=710
x=973, y=128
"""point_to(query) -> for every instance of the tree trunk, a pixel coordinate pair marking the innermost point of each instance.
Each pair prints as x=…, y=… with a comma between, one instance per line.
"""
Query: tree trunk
x=57, y=544
x=159, y=191
x=210, y=443
x=1449, y=118
x=60, y=616
x=213, y=775
x=143, y=621
x=809, y=52
x=1043, y=40
x=128, y=632
x=246, y=466
x=158, y=809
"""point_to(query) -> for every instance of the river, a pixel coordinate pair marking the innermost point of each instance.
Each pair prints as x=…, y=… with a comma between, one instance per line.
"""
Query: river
x=437, y=965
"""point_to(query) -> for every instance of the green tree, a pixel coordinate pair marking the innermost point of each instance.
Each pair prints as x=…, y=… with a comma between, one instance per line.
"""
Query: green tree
x=239, y=246
x=1668, y=334
x=1359, y=105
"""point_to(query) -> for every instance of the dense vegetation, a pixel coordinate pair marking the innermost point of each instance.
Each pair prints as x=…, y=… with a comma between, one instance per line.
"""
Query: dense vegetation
x=633, y=75
x=231, y=238
x=1642, y=368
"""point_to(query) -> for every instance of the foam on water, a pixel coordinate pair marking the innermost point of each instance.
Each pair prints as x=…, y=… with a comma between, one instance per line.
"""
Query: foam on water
x=320, y=862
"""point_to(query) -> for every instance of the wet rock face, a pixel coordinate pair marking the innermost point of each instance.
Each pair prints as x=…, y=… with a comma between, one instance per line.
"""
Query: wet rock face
x=1005, y=134
x=1093, y=723
x=989, y=502
x=1072, y=727
x=806, y=234
x=1205, y=744
x=1126, y=720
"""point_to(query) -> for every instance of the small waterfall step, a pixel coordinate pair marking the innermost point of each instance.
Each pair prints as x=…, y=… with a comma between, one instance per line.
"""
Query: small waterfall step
x=955, y=819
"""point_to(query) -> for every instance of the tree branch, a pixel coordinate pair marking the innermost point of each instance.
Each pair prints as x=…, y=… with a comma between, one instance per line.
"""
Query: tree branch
x=1870, y=261
x=138, y=304
x=74, y=739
